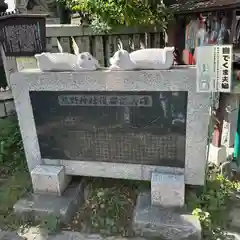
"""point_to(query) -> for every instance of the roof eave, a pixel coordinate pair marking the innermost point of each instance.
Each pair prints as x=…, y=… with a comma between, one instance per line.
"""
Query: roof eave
x=207, y=9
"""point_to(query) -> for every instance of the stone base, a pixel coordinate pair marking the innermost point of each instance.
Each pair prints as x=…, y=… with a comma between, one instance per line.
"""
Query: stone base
x=64, y=207
x=49, y=179
x=217, y=155
x=165, y=223
x=167, y=189
x=7, y=107
x=232, y=236
x=9, y=236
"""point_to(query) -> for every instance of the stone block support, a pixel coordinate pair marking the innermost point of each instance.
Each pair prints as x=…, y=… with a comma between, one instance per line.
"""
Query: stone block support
x=167, y=189
x=47, y=179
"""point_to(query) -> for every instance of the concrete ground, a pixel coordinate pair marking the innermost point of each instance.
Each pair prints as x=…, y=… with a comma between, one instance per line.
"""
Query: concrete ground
x=36, y=234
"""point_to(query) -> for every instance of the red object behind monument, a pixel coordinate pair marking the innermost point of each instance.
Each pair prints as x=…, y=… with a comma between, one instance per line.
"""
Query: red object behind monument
x=188, y=58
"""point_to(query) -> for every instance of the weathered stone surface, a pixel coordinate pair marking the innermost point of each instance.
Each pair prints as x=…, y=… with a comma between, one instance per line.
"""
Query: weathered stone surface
x=37, y=234
x=167, y=189
x=49, y=179
x=79, y=236
x=64, y=207
x=10, y=107
x=2, y=110
x=232, y=236
x=164, y=223
x=177, y=79
x=9, y=236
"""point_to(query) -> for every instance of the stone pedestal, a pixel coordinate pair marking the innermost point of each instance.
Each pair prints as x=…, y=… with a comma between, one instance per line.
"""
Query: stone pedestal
x=47, y=179
x=217, y=155
x=42, y=205
x=164, y=223
x=167, y=189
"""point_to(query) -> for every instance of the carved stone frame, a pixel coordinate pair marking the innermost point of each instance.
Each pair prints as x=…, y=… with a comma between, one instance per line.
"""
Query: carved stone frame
x=179, y=79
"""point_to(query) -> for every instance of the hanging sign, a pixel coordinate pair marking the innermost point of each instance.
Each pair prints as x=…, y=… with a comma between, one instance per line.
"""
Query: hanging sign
x=214, y=68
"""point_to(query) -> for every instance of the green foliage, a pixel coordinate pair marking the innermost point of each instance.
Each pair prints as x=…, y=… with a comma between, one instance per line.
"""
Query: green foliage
x=211, y=206
x=104, y=15
x=62, y=3
x=11, y=148
x=50, y=223
x=14, y=177
x=107, y=206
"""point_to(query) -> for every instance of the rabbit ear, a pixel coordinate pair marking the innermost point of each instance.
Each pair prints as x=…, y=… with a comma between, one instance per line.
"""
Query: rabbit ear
x=120, y=45
x=39, y=55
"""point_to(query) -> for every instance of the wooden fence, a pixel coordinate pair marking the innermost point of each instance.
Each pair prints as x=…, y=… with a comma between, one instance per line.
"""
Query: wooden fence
x=78, y=38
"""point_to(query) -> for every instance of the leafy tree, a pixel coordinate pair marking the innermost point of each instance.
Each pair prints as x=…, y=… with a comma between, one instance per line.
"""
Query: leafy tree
x=105, y=15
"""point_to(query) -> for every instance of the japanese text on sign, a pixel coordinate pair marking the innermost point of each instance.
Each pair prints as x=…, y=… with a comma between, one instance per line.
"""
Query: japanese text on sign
x=214, y=68
x=102, y=100
x=225, y=61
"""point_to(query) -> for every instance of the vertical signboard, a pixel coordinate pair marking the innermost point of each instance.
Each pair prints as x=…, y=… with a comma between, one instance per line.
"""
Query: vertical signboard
x=205, y=68
x=214, y=68
x=225, y=68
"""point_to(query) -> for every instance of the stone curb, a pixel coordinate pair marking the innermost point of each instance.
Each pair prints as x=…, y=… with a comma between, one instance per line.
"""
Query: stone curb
x=4, y=235
x=38, y=234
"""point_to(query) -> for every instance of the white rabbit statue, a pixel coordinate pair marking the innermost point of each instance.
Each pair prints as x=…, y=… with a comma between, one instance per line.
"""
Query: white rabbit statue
x=66, y=62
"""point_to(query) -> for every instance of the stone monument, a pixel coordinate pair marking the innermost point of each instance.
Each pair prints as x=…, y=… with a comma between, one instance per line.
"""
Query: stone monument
x=143, y=125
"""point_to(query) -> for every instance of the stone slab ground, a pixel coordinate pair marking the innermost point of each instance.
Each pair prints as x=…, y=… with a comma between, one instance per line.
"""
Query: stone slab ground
x=37, y=234
x=64, y=207
x=167, y=223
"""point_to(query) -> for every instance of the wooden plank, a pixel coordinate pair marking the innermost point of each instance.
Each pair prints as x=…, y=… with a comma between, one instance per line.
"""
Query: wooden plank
x=109, y=48
x=115, y=42
x=136, y=42
x=165, y=38
x=81, y=44
x=85, y=47
x=162, y=40
x=148, y=40
x=48, y=44
x=98, y=51
x=64, y=44
x=66, y=30
x=55, y=49
x=125, y=42
x=156, y=40
x=142, y=41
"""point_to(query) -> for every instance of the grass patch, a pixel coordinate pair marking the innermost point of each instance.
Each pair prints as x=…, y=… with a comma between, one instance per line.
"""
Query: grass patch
x=108, y=208
x=14, y=175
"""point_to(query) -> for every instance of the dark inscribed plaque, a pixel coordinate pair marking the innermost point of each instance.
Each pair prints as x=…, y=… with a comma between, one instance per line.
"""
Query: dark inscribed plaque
x=23, y=35
x=122, y=127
